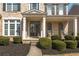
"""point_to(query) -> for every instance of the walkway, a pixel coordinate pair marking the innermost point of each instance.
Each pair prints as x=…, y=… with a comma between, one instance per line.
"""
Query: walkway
x=72, y=54
x=34, y=51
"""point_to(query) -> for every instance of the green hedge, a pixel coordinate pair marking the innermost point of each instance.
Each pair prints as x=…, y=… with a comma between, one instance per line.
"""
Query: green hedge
x=58, y=45
x=77, y=38
x=17, y=39
x=4, y=40
x=55, y=37
x=69, y=37
x=45, y=42
x=71, y=44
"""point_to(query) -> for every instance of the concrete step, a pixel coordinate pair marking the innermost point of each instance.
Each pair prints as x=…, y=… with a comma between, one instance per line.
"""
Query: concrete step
x=32, y=41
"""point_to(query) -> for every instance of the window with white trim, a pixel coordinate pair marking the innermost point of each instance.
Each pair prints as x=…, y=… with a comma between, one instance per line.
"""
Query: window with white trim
x=61, y=9
x=50, y=9
x=34, y=6
x=11, y=6
x=12, y=27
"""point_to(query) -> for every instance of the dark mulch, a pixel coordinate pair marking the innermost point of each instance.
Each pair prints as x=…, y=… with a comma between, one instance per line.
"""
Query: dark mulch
x=55, y=52
x=14, y=50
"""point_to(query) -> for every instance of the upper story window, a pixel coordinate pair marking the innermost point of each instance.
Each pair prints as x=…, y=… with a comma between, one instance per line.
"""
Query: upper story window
x=50, y=9
x=11, y=6
x=55, y=9
x=34, y=6
x=60, y=9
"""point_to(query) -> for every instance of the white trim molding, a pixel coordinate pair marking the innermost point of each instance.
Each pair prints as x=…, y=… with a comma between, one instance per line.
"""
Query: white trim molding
x=11, y=18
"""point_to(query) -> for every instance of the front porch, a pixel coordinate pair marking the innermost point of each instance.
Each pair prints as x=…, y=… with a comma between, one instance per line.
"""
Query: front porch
x=35, y=27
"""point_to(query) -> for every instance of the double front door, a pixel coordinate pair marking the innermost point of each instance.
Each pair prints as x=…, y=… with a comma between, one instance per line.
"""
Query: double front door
x=35, y=28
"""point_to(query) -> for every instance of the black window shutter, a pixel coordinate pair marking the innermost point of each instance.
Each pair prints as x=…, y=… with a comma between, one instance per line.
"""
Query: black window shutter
x=4, y=7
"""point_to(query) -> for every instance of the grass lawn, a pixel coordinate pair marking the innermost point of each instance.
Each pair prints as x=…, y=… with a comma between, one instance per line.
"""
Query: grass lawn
x=14, y=50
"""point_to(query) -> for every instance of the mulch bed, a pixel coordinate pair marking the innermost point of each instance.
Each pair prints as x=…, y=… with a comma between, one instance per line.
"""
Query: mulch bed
x=55, y=52
x=14, y=50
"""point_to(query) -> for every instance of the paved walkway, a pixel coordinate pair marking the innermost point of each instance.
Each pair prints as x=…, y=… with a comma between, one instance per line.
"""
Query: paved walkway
x=72, y=54
x=34, y=51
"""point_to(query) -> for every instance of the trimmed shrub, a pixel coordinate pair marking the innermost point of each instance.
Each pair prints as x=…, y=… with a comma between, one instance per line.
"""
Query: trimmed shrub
x=55, y=37
x=4, y=41
x=17, y=39
x=69, y=37
x=45, y=43
x=71, y=44
x=58, y=45
x=77, y=38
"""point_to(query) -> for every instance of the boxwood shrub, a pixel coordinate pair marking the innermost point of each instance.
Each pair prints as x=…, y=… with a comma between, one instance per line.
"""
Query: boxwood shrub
x=77, y=38
x=58, y=45
x=69, y=37
x=71, y=44
x=4, y=41
x=45, y=43
x=55, y=37
x=17, y=39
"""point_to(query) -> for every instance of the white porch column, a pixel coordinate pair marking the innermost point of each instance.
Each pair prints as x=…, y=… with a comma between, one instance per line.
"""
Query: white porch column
x=66, y=9
x=66, y=28
x=24, y=28
x=75, y=27
x=28, y=28
x=55, y=9
x=44, y=27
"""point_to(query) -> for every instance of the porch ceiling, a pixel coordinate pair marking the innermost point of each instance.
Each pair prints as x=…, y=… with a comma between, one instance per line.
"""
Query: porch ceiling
x=34, y=18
